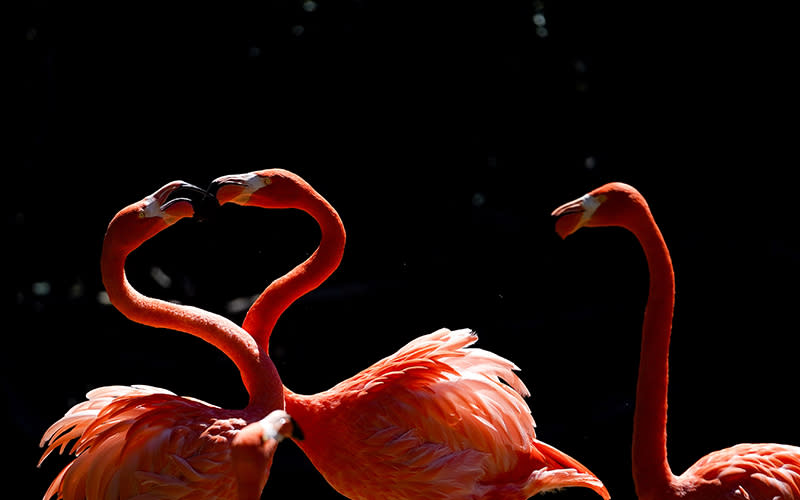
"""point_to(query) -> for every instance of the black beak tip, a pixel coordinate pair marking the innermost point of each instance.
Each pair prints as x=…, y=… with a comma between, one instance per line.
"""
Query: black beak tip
x=205, y=207
x=213, y=188
x=205, y=204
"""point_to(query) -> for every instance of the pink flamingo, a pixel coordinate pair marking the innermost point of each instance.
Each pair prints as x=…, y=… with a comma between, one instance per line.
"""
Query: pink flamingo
x=433, y=420
x=146, y=442
x=744, y=471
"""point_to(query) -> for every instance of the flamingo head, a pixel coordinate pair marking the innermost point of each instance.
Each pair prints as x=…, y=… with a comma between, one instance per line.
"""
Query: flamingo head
x=145, y=218
x=608, y=205
x=279, y=425
x=253, y=448
x=273, y=188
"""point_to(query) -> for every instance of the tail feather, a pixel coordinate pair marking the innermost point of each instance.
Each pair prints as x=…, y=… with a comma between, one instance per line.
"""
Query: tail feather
x=563, y=471
x=565, y=478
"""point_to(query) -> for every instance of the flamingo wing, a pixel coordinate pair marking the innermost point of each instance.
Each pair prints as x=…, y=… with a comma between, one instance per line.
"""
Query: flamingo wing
x=144, y=441
x=441, y=420
x=747, y=471
x=431, y=358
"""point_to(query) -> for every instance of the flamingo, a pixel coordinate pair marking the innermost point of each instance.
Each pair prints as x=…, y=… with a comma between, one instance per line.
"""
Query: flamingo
x=744, y=471
x=146, y=442
x=431, y=421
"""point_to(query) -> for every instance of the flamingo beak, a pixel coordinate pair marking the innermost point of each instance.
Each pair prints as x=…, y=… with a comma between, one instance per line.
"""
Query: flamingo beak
x=163, y=195
x=278, y=425
x=234, y=188
x=179, y=191
x=202, y=203
x=570, y=217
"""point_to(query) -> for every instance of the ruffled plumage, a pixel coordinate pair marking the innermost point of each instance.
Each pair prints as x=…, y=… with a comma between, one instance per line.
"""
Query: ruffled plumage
x=746, y=471
x=144, y=442
x=437, y=419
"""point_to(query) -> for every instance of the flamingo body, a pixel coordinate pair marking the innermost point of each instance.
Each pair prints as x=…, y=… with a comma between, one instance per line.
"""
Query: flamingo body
x=145, y=441
x=765, y=471
x=744, y=471
x=434, y=420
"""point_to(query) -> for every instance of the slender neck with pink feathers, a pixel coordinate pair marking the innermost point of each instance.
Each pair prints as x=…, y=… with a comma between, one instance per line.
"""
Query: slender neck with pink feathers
x=651, y=471
x=281, y=293
x=257, y=370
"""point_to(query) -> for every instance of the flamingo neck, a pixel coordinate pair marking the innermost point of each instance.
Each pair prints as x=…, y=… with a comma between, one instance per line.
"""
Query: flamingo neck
x=313, y=414
x=307, y=276
x=651, y=471
x=259, y=374
x=296, y=402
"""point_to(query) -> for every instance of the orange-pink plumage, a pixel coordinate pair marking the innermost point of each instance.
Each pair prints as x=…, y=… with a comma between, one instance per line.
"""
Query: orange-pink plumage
x=433, y=420
x=139, y=440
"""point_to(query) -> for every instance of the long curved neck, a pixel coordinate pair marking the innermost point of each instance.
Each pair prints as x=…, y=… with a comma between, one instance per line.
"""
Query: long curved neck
x=651, y=471
x=259, y=374
x=281, y=293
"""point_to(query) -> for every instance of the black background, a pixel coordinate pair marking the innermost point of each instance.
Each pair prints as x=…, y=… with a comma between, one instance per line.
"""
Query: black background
x=444, y=133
